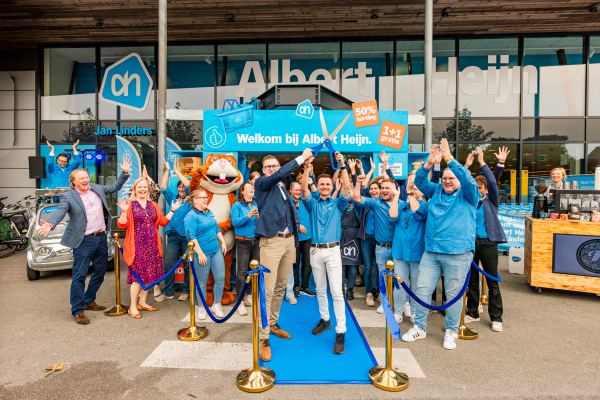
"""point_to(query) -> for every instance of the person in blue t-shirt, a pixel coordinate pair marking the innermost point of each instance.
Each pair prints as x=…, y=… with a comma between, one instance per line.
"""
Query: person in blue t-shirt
x=176, y=237
x=60, y=173
x=301, y=277
x=244, y=216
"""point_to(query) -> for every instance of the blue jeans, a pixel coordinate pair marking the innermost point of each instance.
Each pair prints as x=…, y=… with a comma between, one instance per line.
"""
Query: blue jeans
x=382, y=254
x=367, y=247
x=216, y=264
x=352, y=272
x=408, y=271
x=455, y=268
x=92, y=249
x=176, y=246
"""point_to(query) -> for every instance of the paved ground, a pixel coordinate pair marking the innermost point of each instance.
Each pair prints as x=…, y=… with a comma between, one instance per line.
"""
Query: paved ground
x=549, y=349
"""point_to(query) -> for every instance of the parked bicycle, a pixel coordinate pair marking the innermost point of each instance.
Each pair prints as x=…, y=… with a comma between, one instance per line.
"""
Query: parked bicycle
x=11, y=237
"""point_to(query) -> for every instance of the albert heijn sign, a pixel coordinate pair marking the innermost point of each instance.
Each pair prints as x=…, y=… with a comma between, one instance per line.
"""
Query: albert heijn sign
x=284, y=131
x=127, y=83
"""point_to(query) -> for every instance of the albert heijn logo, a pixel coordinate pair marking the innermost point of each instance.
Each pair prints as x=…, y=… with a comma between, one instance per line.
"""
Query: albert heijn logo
x=127, y=83
x=305, y=109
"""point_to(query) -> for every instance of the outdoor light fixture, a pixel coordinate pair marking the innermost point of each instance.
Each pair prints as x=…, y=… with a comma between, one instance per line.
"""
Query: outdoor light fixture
x=102, y=62
x=374, y=14
x=207, y=59
x=99, y=22
x=446, y=12
x=89, y=156
x=335, y=58
x=99, y=156
x=594, y=7
x=229, y=17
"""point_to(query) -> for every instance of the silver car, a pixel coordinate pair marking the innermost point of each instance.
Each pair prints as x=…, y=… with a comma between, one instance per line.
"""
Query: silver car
x=46, y=253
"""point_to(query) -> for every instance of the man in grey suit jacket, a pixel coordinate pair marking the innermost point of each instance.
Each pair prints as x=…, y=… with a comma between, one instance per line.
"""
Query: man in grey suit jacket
x=89, y=220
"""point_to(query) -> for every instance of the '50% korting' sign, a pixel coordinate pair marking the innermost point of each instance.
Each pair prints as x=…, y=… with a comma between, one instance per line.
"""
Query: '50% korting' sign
x=365, y=113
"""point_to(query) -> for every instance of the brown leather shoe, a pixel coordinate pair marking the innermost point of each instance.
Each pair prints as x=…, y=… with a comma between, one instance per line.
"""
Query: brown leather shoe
x=82, y=319
x=280, y=333
x=265, y=350
x=94, y=307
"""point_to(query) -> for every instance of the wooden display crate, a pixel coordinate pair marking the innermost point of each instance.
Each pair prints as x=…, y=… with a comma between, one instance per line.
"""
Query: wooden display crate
x=188, y=163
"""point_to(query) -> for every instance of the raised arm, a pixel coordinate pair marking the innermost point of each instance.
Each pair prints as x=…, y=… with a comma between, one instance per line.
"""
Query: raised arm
x=305, y=190
x=435, y=174
x=50, y=166
x=265, y=183
x=412, y=200
x=76, y=156
x=115, y=187
x=492, y=186
x=421, y=181
x=467, y=182
x=501, y=156
x=393, y=213
x=345, y=179
x=370, y=174
x=356, y=194
x=165, y=179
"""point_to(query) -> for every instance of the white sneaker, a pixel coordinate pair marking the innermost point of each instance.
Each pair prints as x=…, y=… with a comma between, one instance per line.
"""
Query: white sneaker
x=471, y=319
x=380, y=309
x=480, y=308
x=412, y=318
x=242, y=309
x=157, y=291
x=200, y=313
x=497, y=326
x=413, y=334
x=398, y=317
x=248, y=300
x=217, y=310
x=163, y=297
x=370, y=301
x=292, y=300
x=407, y=312
x=450, y=340
x=358, y=281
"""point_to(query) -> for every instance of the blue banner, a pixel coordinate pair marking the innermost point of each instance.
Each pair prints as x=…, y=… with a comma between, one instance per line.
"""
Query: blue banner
x=172, y=160
x=126, y=149
x=514, y=229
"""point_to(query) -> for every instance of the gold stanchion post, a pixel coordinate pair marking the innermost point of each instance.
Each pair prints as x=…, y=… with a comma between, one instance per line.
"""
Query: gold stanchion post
x=118, y=308
x=386, y=377
x=484, y=297
x=255, y=379
x=193, y=332
x=464, y=332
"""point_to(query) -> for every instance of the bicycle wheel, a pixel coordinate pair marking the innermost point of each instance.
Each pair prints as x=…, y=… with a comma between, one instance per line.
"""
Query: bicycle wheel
x=7, y=249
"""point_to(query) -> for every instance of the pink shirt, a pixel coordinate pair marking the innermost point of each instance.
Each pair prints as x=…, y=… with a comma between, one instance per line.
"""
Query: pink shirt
x=93, y=211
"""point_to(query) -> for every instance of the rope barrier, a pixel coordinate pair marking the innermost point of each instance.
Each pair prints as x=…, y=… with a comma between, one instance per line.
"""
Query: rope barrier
x=497, y=279
x=141, y=282
x=387, y=309
x=261, y=291
x=444, y=306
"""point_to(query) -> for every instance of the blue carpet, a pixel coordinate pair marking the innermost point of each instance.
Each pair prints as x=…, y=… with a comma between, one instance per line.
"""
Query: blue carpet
x=308, y=359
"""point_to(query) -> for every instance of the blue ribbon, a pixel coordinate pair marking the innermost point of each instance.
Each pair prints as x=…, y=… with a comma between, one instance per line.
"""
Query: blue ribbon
x=442, y=307
x=389, y=313
x=497, y=279
x=141, y=282
x=233, y=310
x=261, y=286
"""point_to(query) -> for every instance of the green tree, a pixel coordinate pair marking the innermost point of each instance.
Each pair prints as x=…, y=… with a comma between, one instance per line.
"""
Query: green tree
x=183, y=131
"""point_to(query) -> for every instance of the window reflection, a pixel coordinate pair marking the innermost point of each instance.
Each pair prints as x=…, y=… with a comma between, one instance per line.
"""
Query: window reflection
x=241, y=72
x=190, y=79
x=553, y=129
x=594, y=84
x=593, y=157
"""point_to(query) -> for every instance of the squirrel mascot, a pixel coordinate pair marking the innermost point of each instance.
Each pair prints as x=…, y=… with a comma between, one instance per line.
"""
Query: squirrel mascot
x=220, y=178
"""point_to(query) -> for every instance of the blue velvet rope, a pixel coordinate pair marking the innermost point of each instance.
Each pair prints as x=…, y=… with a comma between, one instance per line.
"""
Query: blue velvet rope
x=141, y=282
x=497, y=279
x=233, y=310
x=389, y=313
x=261, y=290
x=442, y=307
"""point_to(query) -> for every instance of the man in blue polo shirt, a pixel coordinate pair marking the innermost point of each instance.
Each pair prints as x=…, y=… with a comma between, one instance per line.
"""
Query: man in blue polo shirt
x=325, y=257
x=449, y=239
x=60, y=173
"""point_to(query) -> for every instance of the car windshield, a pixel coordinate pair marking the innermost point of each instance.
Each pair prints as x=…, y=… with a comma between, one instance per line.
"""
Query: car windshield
x=47, y=212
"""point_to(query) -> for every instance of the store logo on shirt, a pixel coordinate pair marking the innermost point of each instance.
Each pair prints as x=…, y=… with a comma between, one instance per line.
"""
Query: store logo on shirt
x=127, y=83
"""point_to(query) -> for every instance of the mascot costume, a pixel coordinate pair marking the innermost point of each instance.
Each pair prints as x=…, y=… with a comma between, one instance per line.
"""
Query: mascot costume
x=220, y=178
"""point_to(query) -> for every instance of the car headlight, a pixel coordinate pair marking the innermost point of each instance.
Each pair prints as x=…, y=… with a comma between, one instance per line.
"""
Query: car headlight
x=44, y=251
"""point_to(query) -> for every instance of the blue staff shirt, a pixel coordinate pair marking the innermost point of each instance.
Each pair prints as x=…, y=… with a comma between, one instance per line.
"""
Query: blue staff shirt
x=450, y=225
x=383, y=227
x=481, y=230
x=60, y=176
x=370, y=223
x=326, y=217
x=176, y=223
x=202, y=226
x=409, y=234
x=304, y=219
x=242, y=225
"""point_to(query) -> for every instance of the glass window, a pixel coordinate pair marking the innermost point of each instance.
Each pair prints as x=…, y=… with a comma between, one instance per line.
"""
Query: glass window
x=511, y=163
x=185, y=131
x=415, y=134
x=444, y=128
x=593, y=157
x=553, y=77
x=368, y=73
x=317, y=63
x=241, y=72
x=69, y=84
x=540, y=159
x=555, y=129
x=190, y=78
x=111, y=55
x=410, y=81
x=593, y=129
x=487, y=130
x=593, y=92
x=489, y=77
x=68, y=132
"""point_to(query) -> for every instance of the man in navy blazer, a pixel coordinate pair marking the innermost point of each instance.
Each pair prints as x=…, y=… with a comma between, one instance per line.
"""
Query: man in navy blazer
x=89, y=221
x=277, y=229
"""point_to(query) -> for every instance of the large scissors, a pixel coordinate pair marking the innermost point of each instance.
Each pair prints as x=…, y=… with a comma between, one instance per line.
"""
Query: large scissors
x=328, y=139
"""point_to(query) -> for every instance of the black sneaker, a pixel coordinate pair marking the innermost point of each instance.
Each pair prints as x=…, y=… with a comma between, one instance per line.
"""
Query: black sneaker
x=338, y=348
x=350, y=294
x=375, y=294
x=307, y=292
x=296, y=292
x=321, y=326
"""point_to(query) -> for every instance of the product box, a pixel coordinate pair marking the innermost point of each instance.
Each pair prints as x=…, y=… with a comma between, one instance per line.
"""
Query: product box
x=554, y=216
x=563, y=216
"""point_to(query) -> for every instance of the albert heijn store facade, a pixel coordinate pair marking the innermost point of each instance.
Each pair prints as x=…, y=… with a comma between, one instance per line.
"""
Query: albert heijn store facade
x=533, y=94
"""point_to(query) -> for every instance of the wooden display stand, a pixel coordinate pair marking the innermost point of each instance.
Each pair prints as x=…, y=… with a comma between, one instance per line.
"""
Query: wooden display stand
x=539, y=244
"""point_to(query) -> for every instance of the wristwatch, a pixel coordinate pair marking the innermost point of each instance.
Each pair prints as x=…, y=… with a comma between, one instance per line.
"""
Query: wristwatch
x=449, y=159
x=410, y=194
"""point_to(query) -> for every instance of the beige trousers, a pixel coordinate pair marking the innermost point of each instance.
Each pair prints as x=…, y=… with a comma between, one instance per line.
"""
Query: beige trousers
x=278, y=255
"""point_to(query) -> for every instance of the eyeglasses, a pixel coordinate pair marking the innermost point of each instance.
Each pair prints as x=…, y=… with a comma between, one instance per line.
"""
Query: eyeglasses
x=203, y=197
x=275, y=167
